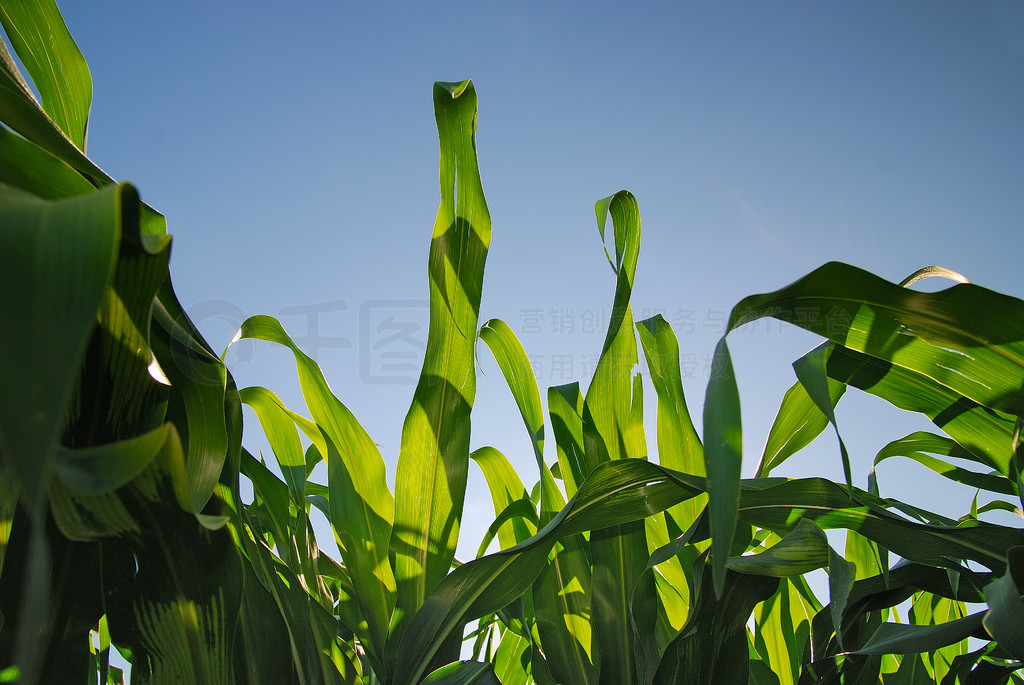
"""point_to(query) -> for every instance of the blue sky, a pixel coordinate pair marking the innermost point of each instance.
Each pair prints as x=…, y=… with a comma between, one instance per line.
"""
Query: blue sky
x=294, y=152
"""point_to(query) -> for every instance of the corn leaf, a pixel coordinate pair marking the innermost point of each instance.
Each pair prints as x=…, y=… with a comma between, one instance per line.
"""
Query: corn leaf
x=565, y=407
x=506, y=490
x=712, y=648
x=798, y=422
x=430, y=481
x=612, y=430
x=679, y=446
x=361, y=505
x=56, y=65
x=31, y=26
x=920, y=446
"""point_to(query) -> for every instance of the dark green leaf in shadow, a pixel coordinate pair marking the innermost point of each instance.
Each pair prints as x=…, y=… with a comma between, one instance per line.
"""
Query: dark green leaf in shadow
x=62, y=256
x=1005, y=608
x=464, y=673
x=712, y=647
x=903, y=638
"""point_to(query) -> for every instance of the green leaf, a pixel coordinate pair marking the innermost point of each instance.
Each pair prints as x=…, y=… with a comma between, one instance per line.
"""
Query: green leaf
x=518, y=372
x=202, y=382
x=361, y=505
x=464, y=673
x=18, y=107
x=506, y=489
x=565, y=407
x=66, y=254
x=841, y=576
x=617, y=492
x=801, y=551
x=56, y=65
x=984, y=432
x=783, y=625
x=811, y=371
x=966, y=338
x=1005, y=607
x=723, y=456
x=102, y=469
x=712, y=648
x=679, y=446
x=562, y=601
x=613, y=429
x=562, y=594
x=920, y=445
x=430, y=481
x=25, y=165
x=279, y=426
x=902, y=638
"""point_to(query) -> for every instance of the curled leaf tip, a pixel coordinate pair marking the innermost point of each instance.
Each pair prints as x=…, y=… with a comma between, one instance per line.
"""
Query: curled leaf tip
x=454, y=88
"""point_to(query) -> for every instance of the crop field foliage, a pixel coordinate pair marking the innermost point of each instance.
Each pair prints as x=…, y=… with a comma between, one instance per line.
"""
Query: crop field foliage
x=123, y=528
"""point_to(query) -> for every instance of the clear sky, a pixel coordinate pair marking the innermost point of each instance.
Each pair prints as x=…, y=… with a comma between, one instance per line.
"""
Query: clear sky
x=293, y=149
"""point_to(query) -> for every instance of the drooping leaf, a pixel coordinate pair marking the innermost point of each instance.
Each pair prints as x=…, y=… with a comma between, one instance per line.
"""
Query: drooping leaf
x=506, y=488
x=920, y=446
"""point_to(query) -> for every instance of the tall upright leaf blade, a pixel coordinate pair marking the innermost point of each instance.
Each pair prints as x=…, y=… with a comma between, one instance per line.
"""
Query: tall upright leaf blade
x=723, y=455
x=613, y=429
x=565, y=407
x=430, y=483
x=679, y=446
x=53, y=60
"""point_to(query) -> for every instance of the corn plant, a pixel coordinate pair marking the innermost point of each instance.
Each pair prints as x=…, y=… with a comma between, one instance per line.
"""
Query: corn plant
x=122, y=525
